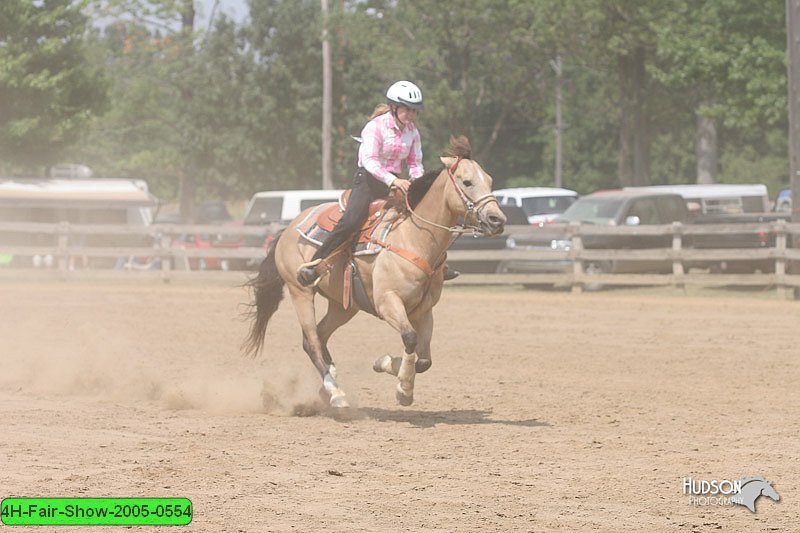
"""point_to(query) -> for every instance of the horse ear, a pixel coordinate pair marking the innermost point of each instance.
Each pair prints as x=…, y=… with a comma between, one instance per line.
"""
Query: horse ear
x=448, y=161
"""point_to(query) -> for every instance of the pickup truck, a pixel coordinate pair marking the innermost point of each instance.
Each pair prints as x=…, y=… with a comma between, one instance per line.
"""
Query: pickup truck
x=762, y=239
x=633, y=208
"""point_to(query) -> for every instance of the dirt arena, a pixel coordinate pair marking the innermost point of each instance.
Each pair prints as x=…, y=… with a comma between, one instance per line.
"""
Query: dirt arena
x=542, y=411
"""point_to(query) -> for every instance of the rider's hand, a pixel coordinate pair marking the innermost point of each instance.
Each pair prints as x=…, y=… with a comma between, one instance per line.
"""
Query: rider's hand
x=401, y=184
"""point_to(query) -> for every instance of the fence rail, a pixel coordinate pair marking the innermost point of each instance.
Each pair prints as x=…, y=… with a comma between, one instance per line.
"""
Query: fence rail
x=160, y=246
x=64, y=242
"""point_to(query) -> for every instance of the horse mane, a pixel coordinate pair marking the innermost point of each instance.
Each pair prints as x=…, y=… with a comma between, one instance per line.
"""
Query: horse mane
x=421, y=185
x=458, y=147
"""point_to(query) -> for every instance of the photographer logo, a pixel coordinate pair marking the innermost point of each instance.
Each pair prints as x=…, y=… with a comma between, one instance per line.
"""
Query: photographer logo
x=744, y=491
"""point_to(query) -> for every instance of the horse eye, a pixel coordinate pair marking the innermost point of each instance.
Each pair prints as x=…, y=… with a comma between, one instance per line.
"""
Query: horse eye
x=468, y=183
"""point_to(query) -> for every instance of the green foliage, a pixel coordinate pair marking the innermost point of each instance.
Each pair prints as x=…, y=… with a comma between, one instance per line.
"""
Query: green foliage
x=727, y=57
x=757, y=162
x=48, y=89
x=237, y=107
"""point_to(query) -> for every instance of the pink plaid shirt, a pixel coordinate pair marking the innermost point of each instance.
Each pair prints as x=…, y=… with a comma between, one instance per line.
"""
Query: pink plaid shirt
x=385, y=146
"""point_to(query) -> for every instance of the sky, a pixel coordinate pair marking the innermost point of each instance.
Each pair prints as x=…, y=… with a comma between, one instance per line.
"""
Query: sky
x=236, y=9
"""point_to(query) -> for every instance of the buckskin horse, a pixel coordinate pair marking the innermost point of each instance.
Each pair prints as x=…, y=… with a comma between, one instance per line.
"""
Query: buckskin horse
x=402, y=282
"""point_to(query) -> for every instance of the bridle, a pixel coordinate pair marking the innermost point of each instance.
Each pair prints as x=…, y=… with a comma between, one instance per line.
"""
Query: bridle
x=473, y=207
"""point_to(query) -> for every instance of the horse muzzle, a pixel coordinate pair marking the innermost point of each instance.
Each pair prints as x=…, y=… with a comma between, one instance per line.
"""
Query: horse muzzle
x=492, y=220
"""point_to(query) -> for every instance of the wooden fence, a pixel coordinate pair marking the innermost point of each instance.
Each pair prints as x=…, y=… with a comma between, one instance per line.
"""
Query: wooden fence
x=680, y=256
x=64, y=242
x=159, y=247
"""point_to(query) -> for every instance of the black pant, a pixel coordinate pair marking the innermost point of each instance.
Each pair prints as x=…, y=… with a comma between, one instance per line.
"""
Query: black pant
x=366, y=188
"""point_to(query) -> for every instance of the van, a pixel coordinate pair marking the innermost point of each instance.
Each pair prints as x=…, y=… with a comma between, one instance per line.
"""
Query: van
x=718, y=198
x=283, y=206
x=541, y=204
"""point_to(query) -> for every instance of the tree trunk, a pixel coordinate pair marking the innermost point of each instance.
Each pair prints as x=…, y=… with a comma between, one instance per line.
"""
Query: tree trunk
x=186, y=192
x=634, y=133
x=707, y=150
x=186, y=178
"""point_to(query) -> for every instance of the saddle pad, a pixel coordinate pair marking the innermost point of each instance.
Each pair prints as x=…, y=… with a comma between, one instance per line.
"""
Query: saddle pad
x=310, y=229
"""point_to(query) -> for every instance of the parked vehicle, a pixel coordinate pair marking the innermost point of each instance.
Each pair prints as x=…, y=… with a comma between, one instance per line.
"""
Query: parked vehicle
x=212, y=212
x=633, y=207
x=94, y=201
x=280, y=207
x=205, y=241
x=718, y=198
x=515, y=216
x=612, y=208
x=749, y=240
x=540, y=204
x=783, y=202
x=283, y=206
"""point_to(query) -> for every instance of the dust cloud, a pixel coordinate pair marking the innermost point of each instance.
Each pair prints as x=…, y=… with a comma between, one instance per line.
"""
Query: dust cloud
x=77, y=348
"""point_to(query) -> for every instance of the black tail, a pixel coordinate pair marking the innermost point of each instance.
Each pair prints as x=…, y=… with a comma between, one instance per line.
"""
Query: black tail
x=268, y=293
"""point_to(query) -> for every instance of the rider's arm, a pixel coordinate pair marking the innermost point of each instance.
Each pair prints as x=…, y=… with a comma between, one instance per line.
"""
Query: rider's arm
x=372, y=140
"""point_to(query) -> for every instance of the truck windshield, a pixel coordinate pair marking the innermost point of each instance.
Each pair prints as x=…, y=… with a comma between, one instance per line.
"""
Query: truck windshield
x=546, y=205
x=594, y=210
x=264, y=210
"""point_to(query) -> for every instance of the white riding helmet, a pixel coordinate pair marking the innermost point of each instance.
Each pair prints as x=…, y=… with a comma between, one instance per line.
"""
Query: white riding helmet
x=405, y=93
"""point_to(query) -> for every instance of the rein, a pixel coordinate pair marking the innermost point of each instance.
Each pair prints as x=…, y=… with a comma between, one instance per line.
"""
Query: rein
x=472, y=206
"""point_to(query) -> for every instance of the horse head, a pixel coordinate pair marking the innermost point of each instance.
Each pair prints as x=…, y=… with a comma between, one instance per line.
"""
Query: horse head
x=752, y=488
x=471, y=195
x=769, y=491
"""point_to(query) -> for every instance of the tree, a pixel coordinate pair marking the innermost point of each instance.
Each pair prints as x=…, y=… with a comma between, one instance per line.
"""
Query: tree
x=178, y=107
x=726, y=59
x=48, y=90
x=474, y=83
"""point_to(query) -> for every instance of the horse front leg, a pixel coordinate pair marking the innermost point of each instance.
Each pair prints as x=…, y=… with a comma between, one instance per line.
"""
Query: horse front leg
x=424, y=328
x=392, y=308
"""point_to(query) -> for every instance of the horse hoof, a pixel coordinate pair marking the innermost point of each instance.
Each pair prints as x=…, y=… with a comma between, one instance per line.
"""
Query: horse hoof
x=388, y=364
x=382, y=363
x=402, y=398
x=339, y=402
x=422, y=365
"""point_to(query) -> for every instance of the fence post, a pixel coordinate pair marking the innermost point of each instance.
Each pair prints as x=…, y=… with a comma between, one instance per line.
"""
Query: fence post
x=165, y=250
x=575, y=252
x=779, y=227
x=63, y=243
x=677, y=255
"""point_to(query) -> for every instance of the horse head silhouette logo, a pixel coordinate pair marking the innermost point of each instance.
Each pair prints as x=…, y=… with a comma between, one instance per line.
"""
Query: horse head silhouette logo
x=752, y=488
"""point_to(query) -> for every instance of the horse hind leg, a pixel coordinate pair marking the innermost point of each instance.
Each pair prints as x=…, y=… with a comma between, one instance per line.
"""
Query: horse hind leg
x=336, y=317
x=303, y=300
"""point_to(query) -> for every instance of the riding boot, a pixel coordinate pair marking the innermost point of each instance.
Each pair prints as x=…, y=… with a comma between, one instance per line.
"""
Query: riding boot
x=450, y=274
x=307, y=274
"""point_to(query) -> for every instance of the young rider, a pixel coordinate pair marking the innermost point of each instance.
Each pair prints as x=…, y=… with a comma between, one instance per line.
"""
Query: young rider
x=389, y=140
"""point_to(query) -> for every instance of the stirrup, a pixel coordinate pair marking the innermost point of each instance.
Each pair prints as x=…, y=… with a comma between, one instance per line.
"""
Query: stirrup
x=305, y=277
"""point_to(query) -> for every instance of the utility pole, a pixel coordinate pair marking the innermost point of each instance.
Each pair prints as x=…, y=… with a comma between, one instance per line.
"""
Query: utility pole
x=559, y=124
x=793, y=50
x=327, y=101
